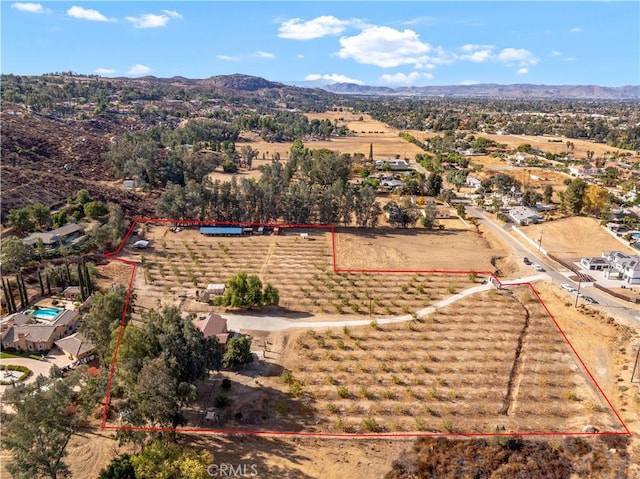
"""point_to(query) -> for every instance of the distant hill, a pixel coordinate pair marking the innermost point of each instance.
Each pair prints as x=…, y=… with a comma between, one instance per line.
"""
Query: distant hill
x=491, y=90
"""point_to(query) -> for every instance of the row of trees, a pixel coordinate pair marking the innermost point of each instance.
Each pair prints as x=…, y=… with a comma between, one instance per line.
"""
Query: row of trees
x=311, y=187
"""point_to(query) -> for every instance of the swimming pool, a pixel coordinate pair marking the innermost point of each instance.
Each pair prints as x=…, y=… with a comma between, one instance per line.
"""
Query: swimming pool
x=45, y=313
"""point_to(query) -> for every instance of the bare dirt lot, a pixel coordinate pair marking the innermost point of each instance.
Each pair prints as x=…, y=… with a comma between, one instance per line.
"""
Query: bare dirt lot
x=575, y=238
x=455, y=248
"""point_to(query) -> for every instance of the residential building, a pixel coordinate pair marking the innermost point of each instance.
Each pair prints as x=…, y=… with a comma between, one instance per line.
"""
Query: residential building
x=473, y=182
x=213, y=325
x=24, y=332
x=594, y=264
x=64, y=235
x=76, y=346
x=626, y=267
x=523, y=215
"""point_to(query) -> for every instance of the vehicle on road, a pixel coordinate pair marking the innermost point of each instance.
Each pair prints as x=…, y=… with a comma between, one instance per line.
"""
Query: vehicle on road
x=567, y=287
x=589, y=299
x=577, y=293
x=537, y=267
x=526, y=261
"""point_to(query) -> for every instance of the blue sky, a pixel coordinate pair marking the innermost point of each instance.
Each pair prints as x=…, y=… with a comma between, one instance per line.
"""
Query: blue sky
x=374, y=43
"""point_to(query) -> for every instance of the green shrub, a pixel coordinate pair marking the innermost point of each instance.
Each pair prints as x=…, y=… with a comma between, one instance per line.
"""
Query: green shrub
x=221, y=401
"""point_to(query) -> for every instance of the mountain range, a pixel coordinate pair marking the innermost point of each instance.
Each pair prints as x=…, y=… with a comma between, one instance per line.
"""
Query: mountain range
x=492, y=90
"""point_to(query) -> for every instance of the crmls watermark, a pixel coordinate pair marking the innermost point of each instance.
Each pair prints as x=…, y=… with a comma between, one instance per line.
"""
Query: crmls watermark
x=232, y=470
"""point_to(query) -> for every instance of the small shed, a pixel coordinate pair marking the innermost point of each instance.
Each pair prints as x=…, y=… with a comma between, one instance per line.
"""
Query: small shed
x=216, y=289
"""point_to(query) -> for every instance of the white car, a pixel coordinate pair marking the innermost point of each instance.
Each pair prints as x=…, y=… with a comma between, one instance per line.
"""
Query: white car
x=578, y=294
x=537, y=267
x=567, y=287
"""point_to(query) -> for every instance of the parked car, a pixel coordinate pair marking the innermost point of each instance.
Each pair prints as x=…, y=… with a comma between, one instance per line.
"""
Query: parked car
x=537, y=267
x=577, y=293
x=589, y=299
x=526, y=261
x=567, y=287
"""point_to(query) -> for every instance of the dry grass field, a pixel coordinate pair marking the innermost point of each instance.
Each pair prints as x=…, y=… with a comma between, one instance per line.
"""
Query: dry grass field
x=456, y=247
x=575, y=237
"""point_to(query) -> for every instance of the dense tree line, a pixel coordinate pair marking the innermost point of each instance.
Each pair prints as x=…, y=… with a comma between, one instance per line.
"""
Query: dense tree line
x=311, y=187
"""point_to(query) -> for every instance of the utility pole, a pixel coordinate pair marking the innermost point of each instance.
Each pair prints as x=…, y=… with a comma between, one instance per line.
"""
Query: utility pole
x=540, y=241
x=578, y=292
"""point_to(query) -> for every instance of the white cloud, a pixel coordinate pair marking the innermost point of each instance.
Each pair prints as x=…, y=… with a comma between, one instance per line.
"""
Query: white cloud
x=296, y=29
x=517, y=55
x=575, y=30
x=149, y=20
x=267, y=55
x=30, y=7
x=556, y=53
x=522, y=71
x=420, y=20
x=334, y=77
x=469, y=82
x=138, y=69
x=299, y=56
x=387, y=47
x=476, y=53
x=227, y=58
x=88, y=14
x=173, y=14
x=104, y=71
x=404, y=79
x=569, y=59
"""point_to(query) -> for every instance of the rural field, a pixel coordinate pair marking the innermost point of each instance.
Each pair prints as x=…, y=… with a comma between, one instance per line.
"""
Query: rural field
x=302, y=269
x=493, y=361
x=575, y=237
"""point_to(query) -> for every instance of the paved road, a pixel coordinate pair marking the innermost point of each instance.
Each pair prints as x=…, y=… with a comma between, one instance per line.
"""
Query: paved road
x=239, y=322
x=627, y=314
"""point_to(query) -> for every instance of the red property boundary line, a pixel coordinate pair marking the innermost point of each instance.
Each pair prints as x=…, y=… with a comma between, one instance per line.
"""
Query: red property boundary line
x=113, y=256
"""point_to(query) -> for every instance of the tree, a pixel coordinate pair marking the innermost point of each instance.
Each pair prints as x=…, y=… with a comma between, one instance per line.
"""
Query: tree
x=244, y=291
x=154, y=395
x=83, y=197
x=531, y=197
x=59, y=219
x=165, y=460
x=119, y=468
x=238, y=352
x=548, y=194
x=401, y=216
x=39, y=428
x=94, y=209
x=40, y=215
x=229, y=167
x=103, y=320
x=271, y=296
x=596, y=200
x=434, y=184
x=461, y=211
x=573, y=198
x=429, y=218
x=20, y=220
x=15, y=254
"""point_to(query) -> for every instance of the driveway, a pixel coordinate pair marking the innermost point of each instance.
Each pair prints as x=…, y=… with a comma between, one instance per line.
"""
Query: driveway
x=37, y=366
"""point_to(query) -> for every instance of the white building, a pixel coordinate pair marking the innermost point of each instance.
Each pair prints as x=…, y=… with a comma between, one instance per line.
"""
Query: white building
x=523, y=215
x=627, y=267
